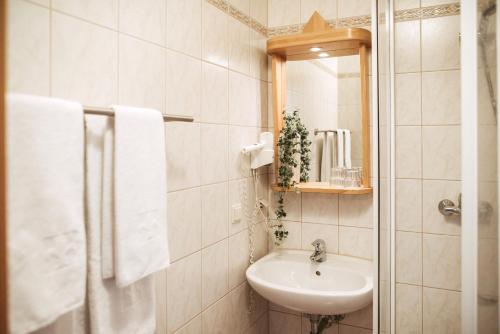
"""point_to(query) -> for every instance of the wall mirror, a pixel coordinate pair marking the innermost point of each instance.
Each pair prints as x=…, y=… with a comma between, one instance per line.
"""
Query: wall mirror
x=323, y=74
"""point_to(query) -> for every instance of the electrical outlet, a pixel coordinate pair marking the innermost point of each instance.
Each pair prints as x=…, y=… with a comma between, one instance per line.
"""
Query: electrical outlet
x=236, y=213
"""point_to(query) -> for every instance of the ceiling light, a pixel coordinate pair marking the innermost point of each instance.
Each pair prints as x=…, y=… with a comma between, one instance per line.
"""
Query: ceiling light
x=315, y=49
x=323, y=54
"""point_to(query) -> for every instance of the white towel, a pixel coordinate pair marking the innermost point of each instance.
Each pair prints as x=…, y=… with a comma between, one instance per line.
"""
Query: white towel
x=326, y=159
x=347, y=150
x=318, y=155
x=340, y=148
x=46, y=232
x=140, y=194
x=111, y=309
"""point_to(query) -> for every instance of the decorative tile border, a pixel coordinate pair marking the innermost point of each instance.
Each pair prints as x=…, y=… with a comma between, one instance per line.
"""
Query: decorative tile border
x=347, y=22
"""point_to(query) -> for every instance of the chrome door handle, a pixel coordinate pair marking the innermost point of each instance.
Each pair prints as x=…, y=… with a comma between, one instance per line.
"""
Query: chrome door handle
x=448, y=208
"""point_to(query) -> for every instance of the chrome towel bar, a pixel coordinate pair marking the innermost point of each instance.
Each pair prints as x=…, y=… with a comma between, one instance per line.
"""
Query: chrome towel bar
x=109, y=112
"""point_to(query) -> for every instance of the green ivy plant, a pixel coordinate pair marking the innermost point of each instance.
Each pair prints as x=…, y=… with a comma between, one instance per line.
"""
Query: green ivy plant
x=293, y=139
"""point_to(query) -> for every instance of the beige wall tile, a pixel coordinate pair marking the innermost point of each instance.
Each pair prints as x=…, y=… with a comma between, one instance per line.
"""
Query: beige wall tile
x=441, y=311
x=214, y=100
x=184, y=222
x=261, y=326
x=184, y=291
x=362, y=318
x=441, y=261
x=408, y=99
x=408, y=152
x=242, y=100
x=214, y=263
x=238, y=258
x=184, y=26
x=160, y=279
x=326, y=8
x=441, y=98
x=141, y=74
x=183, y=85
x=241, y=192
x=406, y=4
x=145, y=19
x=345, y=329
x=84, y=61
x=214, y=35
x=28, y=48
x=238, y=46
x=320, y=208
x=348, y=8
x=217, y=318
x=409, y=309
x=280, y=323
x=356, y=211
x=214, y=153
x=407, y=46
x=355, y=241
x=259, y=11
x=409, y=205
x=329, y=233
x=408, y=257
x=283, y=12
x=258, y=56
x=441, y=152
x=98, y=11
x=426, y=3
x=214, y=213
x=192, y=327
x=440, y=43
x=183, y=155
x=433, y=192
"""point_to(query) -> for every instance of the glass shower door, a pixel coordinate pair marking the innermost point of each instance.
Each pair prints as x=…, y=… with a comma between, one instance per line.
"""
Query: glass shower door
x=480, y=261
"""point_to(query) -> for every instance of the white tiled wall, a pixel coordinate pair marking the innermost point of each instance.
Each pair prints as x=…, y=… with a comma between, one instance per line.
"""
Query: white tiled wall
x=181, y=57
x=427, y=170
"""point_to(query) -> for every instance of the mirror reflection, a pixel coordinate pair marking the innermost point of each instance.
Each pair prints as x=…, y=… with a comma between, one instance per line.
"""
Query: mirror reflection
x=327, y=94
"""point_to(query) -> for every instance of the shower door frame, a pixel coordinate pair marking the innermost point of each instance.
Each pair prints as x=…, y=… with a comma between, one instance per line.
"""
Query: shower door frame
x=469, y=165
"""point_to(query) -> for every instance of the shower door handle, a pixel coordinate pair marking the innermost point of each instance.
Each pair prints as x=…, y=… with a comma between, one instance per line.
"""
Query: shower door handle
x=448, y=207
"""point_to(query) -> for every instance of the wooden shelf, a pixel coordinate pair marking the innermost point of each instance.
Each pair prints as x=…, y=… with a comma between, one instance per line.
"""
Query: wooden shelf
x=325, y=188
x=317, y=33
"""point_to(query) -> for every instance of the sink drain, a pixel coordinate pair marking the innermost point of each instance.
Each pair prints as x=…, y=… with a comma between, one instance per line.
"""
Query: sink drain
x=318, y=273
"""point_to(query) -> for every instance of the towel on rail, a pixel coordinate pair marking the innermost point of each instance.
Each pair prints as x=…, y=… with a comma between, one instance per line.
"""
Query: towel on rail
x=46, y=231
x=140, y=194
x=111, y=309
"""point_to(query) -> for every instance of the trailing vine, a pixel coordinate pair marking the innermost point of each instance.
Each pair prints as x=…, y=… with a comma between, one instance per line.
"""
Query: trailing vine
x=293, y=139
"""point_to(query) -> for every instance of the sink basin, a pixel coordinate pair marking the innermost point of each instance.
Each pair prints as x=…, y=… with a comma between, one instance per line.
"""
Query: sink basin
x=288, y=278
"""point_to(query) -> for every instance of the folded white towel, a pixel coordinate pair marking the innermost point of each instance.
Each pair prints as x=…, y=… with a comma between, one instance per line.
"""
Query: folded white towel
x=140, y=194
x=347, y=148
x=112, y=310
x=340, y=148
x=46, y=232
x=318, y=156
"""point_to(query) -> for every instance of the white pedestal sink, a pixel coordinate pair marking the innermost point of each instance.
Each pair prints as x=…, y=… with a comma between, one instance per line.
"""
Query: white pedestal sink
x=288, y=278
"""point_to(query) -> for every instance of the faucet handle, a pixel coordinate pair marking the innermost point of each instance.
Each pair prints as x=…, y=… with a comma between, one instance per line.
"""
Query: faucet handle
x=319, y=245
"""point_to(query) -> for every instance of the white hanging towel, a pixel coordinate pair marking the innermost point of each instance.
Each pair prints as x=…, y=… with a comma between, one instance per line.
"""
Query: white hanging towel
x=140, y=190
x=318, y=155
x=325, y=158
x=347, y=146
x=111, y=309
x=46, y=231
x=340, y=148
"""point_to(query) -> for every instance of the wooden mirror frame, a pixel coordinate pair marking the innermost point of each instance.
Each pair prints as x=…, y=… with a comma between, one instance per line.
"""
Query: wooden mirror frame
x=337, y=43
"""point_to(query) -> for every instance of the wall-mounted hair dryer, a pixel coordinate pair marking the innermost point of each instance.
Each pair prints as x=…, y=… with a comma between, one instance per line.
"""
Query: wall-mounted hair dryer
x=261, y=153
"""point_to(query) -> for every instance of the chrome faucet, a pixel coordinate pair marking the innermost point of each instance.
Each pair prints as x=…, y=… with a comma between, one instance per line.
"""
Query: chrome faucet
x=319, y=254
